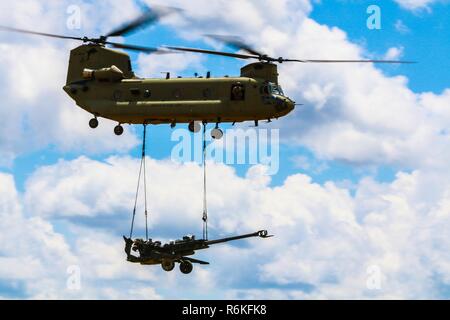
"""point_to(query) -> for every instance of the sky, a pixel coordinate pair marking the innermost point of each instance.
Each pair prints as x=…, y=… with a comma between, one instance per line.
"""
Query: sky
x=357, y=193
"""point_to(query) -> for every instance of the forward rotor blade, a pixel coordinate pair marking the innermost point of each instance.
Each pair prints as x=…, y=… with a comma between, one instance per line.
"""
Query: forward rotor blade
x=39, y=33
x=216, y=53
x=235, y=42
x=261, y=57
x=349, y=61
x=150, y=17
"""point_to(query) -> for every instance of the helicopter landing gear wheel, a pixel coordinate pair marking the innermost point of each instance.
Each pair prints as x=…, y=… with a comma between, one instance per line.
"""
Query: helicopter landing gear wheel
x=168, y=265
x=194, y=126
x=186, y=267
x=118, y=130
x=93, y=123
x=217, y=134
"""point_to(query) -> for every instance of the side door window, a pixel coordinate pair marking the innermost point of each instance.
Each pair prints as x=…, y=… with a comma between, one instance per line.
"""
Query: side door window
x=237, y=92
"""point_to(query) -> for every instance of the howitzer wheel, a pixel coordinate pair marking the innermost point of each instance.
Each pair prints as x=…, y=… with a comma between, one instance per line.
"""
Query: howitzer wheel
x=186, y=267
x=168, y=265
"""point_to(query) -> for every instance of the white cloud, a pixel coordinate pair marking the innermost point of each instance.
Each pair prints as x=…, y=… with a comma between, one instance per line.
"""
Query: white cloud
x=247, y=18
x=325, y=239
x=153, y=65
x=35, y=258
x=401, y=27
x=416, y=4
x=30, y=249
x=394, y=53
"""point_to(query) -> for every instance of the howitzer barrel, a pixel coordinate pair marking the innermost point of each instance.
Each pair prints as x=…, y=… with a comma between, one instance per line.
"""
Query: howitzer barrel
x=261, y=233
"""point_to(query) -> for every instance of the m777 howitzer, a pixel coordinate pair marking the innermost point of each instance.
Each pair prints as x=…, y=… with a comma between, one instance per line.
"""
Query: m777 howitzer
x=153, y=252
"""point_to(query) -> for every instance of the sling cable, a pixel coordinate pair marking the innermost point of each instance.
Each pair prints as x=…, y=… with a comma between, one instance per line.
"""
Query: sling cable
x=205, y=204
x=143, y=176
x=142, y=173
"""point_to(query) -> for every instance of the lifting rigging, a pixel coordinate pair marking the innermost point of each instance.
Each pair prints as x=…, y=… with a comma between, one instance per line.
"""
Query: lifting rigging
x=142, y=172
x=205, y=204
x=153, y=252
x=143, y=176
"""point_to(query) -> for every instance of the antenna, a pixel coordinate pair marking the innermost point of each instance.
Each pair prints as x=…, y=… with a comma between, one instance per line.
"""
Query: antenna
x=167, y=75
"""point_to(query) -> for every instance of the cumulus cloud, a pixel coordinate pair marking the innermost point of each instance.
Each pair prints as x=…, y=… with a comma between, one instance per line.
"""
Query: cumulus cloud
x=152, y=65
x=325, y=238
x=417, y=4
x=36, y=260
x=30, y=249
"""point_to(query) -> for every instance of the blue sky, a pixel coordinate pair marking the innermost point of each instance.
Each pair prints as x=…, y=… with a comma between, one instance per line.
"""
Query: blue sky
x=362, y=177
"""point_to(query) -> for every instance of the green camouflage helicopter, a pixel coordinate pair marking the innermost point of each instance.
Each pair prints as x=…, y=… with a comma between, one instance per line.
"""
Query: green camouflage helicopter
x=101, y=81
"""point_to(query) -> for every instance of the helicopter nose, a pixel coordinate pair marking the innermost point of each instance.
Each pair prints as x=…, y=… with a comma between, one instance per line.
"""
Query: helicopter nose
x=284, y=105
x=290, y=104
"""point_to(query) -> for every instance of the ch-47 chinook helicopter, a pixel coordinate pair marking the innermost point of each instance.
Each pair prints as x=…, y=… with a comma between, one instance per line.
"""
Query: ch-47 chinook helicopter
x=101, y=81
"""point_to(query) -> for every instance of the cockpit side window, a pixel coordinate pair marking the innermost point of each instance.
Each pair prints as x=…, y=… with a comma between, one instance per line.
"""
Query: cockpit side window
x=265, y=89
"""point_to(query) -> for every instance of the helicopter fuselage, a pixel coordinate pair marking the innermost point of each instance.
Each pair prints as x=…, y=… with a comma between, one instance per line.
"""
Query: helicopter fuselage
x=101, y=81
x=180, y=100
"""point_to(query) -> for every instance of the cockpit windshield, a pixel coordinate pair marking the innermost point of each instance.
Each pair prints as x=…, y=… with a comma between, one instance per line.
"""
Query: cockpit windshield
x=272, y=88
x=275, y=89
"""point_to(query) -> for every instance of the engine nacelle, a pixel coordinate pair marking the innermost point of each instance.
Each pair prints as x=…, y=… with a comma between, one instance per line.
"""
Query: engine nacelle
x=261, y=70
x=112, y=74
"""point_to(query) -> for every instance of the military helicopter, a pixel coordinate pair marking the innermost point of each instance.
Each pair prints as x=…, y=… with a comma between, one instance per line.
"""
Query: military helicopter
x=101, y=81
x=153, y=252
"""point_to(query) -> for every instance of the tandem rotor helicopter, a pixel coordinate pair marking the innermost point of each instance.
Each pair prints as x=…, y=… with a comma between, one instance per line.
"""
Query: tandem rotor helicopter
x=101, y=81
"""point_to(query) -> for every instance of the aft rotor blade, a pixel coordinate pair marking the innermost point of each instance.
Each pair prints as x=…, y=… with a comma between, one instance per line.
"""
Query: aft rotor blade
x=39, y=33
x=235, y=42
x=151, y=16
x=136, y=48
x=212, y=52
